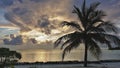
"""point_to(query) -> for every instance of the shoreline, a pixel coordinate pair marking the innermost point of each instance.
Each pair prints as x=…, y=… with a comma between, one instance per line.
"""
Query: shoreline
x=69, y=62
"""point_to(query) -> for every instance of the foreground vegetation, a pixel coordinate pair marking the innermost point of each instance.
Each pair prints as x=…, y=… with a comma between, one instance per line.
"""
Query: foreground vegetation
x=8, y=57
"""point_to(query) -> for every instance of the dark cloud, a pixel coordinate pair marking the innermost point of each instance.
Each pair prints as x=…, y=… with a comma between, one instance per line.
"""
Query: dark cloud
x=8, y=3
x=38, y=1
x=45, y=14
x=12, y=18
x=5, y=3
x=43, y=22
x=112, y=10
x=21, y=1
x=33, y=40
x=20, y=11
x=28, y=17
x=13, y=40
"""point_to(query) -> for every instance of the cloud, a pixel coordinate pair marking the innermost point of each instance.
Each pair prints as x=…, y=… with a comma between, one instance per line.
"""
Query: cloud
x=111, y=8
x=7, y=30
x=45, y=16
x=38, y=1
x=21, y=1
x=28, y=17
x=13, y=40
x=5, y=3
x=16, y=21
x=19, y=11
x=33, y=40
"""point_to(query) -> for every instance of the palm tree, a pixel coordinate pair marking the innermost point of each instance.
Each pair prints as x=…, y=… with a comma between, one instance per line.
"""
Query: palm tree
x=92, y=31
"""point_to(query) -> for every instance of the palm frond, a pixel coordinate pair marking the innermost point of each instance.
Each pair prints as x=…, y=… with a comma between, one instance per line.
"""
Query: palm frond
x=113, y=39
x=77, y=11
x=67, y=37
x=108, y=26
x=74, y=44
x=94, y=5
x=94, y=48
x=98, y=14
x=97, y=37
x=106, y=39
x=66, y=43
x=92, y=8
x=84, y=8
x=76, y=35
x=59, y=40
x=100, y=38
x=72, y=24
x=96, y=30
x=91, y=25
x=95, y=18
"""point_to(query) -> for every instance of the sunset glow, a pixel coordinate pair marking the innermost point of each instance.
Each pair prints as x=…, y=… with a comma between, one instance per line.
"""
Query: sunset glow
x=32, y=26
x=58, y=18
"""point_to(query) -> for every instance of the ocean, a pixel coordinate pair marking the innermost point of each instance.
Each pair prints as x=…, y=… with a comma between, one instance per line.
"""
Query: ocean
x=38, y=55
x=46, y=53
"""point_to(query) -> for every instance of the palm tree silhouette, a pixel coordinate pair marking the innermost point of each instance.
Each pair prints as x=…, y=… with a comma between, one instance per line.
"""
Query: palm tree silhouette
x=92, y=30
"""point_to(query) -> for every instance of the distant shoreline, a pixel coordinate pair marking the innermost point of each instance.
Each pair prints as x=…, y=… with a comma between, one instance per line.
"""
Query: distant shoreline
x=68, y=62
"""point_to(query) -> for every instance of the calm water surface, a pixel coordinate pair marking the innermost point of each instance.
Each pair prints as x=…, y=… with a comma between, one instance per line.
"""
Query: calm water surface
x=56, y=55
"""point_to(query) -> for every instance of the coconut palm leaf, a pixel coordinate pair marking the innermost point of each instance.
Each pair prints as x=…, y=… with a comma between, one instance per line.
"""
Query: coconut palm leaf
x=98, y=14
x=74, y=44
x=106, y=38
x=72, y=24
x=112, y=38
x=94, y=48
x=97, y=37
x=84, y=12
x=95, y=18
x=77, y=11
x=76, y=35
x=100, y=38
x=108, y=26
x=84, y=8
x=96, y=30
x=65, y=37
x=92, y=8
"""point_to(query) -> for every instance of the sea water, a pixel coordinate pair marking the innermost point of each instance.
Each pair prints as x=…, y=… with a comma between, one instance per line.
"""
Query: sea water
x=38, y=55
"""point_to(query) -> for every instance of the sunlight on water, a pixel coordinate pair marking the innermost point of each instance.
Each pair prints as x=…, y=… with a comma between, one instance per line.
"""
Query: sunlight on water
x=56, y=55
x=34, y=56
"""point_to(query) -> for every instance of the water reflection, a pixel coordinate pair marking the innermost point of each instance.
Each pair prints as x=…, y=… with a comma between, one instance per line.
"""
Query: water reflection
x=34, y=56
x=55, y=55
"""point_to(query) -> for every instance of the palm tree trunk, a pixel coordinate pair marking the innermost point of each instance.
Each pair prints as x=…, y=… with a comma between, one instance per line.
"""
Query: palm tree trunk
x=85, y=54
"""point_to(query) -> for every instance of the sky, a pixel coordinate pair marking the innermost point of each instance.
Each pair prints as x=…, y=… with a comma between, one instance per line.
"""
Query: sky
x=37, y=22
